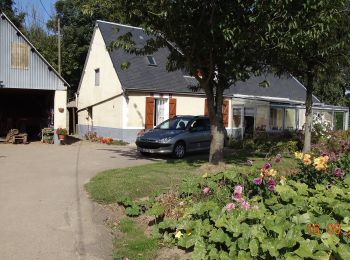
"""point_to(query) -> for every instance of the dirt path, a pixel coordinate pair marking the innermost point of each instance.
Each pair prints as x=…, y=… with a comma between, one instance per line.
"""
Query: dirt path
x=44, y=210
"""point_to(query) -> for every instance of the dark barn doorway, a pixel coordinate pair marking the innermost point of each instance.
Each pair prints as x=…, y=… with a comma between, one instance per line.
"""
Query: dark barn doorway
x=29, y=111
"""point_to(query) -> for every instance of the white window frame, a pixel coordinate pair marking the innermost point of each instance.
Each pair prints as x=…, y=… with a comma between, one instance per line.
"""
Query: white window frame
x=97, y=77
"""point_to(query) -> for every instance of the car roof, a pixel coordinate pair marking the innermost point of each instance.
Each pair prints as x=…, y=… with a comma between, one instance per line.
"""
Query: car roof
x=191, y=116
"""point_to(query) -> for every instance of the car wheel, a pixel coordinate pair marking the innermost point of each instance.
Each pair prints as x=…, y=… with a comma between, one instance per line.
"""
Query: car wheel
x=179, y=150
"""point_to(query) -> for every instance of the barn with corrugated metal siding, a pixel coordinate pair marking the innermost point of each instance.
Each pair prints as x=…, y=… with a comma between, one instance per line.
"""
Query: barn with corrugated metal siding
x=33, y=95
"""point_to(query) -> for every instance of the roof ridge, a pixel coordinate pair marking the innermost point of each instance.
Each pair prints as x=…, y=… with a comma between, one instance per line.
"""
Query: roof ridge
x=120, y=24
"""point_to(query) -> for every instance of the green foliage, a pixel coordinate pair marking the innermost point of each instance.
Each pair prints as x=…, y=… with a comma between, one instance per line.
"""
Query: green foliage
x=301, y=217
x=270, y=143
x=279, y=228
x=9, y=8
x=132, y=209
x=308, y=45
x=156, y=210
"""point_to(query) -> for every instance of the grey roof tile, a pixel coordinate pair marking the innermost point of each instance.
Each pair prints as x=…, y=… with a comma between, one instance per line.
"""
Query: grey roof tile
x=142, y=76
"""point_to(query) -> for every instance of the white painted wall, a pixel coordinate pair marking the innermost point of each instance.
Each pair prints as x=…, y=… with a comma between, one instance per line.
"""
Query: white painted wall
x=60, y=118
x=109, y=114
x=98, y=58
x=190, y=105
x=136, y=107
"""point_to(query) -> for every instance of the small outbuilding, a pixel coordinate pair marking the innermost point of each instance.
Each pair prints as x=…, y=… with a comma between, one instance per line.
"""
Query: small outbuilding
x=33, y=95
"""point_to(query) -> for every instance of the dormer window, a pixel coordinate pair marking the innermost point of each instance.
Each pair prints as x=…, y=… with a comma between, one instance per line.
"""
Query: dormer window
x=97, y=77
x=151, y=61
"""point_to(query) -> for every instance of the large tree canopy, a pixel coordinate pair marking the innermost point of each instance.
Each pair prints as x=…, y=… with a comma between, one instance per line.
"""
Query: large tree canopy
x=77, y=26
x=8, y=7
x=215, y=41
x=309, y=39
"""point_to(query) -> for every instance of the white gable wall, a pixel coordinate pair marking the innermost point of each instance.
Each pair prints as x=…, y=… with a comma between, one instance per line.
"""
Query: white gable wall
x=105, y=100
x=98, y=58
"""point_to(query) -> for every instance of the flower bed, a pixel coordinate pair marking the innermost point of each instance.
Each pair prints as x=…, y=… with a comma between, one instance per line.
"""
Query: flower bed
x=263, y=214
x=93, y=137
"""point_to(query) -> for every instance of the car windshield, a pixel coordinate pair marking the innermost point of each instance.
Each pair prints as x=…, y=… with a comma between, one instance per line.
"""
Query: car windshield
x=176, y=123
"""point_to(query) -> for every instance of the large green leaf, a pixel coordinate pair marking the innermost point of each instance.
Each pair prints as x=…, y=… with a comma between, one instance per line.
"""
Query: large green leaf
x=302, y=219
x=344, y=252
x=306, y=248
x=254, y=247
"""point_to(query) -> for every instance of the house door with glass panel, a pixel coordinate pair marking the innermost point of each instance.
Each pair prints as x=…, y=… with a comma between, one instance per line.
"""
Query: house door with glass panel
x=159, y=111
x=237, y=122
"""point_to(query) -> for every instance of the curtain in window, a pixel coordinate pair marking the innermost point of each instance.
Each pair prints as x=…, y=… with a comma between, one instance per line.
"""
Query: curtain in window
x=160, y=110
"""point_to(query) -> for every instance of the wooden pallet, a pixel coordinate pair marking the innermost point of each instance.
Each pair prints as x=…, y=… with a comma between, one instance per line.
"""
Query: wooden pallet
x=14, y=136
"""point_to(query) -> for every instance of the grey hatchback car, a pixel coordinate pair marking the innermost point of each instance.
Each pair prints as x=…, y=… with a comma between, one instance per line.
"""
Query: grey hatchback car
x=177, y=136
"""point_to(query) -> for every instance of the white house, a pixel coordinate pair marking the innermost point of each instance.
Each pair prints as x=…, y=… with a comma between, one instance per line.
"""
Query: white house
x=32, y=94
x=116, y=102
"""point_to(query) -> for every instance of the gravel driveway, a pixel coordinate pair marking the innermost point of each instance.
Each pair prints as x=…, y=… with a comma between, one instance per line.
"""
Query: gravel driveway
x=44, y=210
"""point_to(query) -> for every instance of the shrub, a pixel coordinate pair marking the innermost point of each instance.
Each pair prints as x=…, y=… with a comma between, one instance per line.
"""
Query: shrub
x=264, y=215
x=275, y=225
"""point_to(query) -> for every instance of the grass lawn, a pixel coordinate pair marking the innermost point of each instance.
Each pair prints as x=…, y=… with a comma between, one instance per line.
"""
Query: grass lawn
x=142, y=181
x=134, y=243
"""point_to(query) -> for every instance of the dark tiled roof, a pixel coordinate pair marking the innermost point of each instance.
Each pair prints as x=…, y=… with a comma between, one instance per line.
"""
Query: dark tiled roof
x=279, y=87
x=142, y=76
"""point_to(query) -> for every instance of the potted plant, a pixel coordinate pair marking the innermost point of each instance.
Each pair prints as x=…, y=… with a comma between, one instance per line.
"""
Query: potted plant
x=61, y=132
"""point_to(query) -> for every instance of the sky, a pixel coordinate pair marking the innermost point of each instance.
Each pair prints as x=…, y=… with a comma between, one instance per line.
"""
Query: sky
x=27, y=5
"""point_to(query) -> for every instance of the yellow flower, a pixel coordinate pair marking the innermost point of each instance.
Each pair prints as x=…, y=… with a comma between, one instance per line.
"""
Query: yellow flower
x=298, y=155
x=272, y=172
x=306, y=156
x=307, y=161
x=205, y=175
x=320, y=167
x=283, y=180
x=320, y=163
x=178, y=234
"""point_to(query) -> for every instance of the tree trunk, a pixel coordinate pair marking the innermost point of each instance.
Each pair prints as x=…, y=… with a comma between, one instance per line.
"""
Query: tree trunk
x=215, y=103
x=308, y=113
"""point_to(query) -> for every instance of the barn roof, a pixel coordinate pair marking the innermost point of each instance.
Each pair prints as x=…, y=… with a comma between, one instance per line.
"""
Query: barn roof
x=32, y=50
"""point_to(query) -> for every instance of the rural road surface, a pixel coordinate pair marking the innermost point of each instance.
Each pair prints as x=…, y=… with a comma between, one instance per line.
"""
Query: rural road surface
x=44, y=210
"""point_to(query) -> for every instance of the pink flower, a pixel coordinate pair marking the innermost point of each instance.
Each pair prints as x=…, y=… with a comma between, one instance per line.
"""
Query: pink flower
x=257, y=181
x=271, y=184
x=267, y=166
x=237, y=198
x=238, y=190
x=250, y=162
x=230, y=206
x=338, y=172
x=237, y=194
x=245, y=205
x=278, y=158
x=206, y=190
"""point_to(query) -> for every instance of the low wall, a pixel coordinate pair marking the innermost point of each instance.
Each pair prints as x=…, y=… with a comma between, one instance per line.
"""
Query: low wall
x=127, y=135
